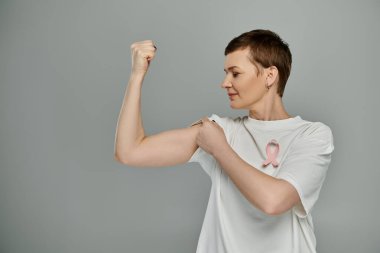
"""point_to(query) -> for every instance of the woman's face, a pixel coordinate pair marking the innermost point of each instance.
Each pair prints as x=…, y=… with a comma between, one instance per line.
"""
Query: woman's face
x=242, y=80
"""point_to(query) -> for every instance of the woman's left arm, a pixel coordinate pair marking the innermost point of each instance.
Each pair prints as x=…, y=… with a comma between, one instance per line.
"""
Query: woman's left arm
x=272, y=195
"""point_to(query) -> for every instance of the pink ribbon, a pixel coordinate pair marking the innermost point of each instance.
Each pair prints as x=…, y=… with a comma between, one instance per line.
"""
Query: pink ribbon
x=271, y=157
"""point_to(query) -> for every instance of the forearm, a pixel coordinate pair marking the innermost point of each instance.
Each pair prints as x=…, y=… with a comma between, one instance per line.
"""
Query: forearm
x=130, y=130
x=258, y=188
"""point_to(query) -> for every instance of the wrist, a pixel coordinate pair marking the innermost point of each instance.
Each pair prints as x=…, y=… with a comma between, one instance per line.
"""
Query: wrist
x=137, y=75
x=136, y=79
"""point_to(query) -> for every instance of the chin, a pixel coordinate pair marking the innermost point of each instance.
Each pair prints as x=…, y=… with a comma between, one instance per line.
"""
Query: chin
x=235, y=106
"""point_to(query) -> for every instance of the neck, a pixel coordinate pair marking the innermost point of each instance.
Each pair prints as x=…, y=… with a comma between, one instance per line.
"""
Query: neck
x=270, y=107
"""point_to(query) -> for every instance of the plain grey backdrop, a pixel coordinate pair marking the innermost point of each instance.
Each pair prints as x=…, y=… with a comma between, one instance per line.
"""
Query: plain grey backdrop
x=64, y=66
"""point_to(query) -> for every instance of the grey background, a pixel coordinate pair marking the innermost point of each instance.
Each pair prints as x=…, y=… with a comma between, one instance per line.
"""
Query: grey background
x=64, y=66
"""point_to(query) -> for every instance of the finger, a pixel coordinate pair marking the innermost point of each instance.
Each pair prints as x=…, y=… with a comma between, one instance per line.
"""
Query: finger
x=197, y=122
x=149, y=46
x=151, y=43
x=150, y=55
x=205, y=119
x=145, y=42
x=215, y=123
x=210, y=120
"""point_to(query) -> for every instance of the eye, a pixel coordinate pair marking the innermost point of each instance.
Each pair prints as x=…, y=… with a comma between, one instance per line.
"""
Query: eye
x=235, y=74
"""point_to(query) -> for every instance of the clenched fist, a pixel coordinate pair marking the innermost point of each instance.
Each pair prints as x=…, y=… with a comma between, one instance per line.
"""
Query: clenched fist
x=142, y=54
x=211, y=136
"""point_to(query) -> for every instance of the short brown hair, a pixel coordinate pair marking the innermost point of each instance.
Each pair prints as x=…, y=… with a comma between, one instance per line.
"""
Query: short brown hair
x=266, y=49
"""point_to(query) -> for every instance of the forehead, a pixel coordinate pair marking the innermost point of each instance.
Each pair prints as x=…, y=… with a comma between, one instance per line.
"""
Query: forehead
x=237, y=58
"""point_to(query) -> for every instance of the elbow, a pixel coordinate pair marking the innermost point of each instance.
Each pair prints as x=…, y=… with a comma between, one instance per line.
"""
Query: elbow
x=272, y=211
x=125, y=155
x=121, y=159
x=273, y=207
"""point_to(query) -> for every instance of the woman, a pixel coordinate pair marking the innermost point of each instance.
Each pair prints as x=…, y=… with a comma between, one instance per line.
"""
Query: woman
x=267, y=168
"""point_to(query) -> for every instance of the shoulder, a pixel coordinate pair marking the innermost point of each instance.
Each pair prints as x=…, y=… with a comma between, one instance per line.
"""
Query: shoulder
x=226, y=122
x=317, y=134
x=318, y=130
x=229, y=125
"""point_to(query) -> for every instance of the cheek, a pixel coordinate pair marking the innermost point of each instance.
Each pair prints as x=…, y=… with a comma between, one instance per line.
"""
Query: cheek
x=249, y=86
x=250, y=90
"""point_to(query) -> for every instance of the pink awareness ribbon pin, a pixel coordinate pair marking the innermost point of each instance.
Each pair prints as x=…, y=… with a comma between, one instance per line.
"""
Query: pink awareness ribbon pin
x=271, y=157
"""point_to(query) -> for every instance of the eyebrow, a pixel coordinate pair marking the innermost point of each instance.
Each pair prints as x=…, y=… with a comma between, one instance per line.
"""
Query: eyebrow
x=231, y=68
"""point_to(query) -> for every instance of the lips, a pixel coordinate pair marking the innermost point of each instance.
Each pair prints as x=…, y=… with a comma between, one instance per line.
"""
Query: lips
x=231, y=94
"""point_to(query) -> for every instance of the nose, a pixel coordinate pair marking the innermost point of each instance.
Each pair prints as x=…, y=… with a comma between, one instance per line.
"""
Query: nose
x=226, y=83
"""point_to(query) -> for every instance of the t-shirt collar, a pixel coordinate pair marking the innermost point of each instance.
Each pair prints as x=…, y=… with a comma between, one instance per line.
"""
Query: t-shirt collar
x=272, y=124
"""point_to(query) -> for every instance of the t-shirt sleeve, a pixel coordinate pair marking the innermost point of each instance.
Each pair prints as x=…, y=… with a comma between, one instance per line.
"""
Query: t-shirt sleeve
x=200, y=155
x=306, y=165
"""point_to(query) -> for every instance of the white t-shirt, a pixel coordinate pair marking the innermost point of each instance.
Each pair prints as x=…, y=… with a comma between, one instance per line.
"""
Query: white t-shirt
x=234, y=225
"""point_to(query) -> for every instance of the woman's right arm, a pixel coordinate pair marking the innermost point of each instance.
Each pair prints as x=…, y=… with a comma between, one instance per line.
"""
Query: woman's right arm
x=132, y=147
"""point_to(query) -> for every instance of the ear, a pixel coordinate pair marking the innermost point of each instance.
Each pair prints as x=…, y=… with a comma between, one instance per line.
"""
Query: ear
x=271, y=75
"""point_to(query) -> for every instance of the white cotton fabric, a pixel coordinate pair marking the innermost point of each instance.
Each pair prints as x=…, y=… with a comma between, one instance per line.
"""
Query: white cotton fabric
x=234, y=225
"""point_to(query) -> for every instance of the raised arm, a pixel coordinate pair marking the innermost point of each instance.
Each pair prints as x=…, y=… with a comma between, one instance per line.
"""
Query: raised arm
x=132, y=147
x=167, y=148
